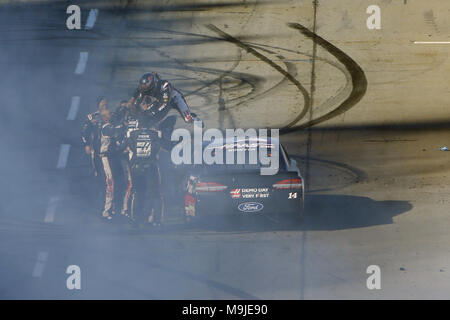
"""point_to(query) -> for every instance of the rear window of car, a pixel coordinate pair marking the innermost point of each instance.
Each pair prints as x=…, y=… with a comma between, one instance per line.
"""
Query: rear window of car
x=247, y=150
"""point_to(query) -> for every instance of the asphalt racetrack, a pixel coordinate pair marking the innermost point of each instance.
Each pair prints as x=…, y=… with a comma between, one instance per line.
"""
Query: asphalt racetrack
x=364, y=112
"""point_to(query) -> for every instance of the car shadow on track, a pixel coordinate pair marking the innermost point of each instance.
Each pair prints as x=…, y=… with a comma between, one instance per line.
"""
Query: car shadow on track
x=322, y=212
x=336, y=212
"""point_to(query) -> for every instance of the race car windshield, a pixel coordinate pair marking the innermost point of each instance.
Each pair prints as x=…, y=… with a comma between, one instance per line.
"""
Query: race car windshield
x=251, y=156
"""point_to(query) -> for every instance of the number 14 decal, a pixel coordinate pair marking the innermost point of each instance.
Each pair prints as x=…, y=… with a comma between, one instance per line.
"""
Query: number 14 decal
x=292, y=195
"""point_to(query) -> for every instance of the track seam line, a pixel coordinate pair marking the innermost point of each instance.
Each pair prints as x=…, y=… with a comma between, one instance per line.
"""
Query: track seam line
x=91, y=19
x=74, y=106
x=51, y=209
x=63, y=156
x=39, y=267
x=82, y=61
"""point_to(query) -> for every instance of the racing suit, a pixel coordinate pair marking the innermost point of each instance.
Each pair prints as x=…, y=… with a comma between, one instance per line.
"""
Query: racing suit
x=165, y=97
x=90, y=136
x=116, y=169
x=147, y=200
x=121, y=115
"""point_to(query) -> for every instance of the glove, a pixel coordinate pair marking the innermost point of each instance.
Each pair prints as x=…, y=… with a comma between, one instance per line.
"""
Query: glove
x=188, y=117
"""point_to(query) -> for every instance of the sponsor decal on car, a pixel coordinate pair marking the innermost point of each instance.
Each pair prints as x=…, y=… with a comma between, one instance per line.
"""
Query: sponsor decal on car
x=235, y=193
x=251, y=193
x=250, y=207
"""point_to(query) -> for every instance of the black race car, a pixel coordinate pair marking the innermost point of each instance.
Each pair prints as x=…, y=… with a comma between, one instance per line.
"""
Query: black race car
x=240, y=189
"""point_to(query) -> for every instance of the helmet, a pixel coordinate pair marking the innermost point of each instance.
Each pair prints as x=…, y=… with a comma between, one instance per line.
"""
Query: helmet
x=148, y=81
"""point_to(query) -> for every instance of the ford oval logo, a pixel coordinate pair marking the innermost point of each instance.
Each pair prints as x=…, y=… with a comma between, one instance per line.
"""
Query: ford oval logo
x=250, y=207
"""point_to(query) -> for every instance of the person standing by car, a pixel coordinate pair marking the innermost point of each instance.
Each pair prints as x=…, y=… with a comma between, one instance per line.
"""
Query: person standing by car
x=122, y=112
x=90, y=139
x=144, y=144
x=115, y=166
x=90, y=134
x=164, y=98
x=164, y=94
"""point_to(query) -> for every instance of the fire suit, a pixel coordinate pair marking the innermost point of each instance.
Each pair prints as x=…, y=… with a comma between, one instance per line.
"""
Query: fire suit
x=90, y=136
x=147, y=200
x=116, y=169
x=165, y=97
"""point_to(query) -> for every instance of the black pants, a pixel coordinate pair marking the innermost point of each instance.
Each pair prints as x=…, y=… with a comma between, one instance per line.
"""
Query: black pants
x=147, y=203
x=166, y=126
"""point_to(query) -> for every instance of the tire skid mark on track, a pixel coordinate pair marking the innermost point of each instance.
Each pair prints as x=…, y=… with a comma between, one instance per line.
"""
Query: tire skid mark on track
x=223, y=110
x=344, y=69
x=291, y=69
x=359, y=80
x=306, y=98
x=355, y=173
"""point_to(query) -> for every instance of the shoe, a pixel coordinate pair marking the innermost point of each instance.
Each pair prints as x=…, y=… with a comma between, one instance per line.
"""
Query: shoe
x=125, y=214
x=150, y=218
x=106, y=215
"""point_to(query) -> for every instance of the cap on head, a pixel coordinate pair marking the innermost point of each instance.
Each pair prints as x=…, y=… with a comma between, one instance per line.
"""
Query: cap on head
x=102, y=102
